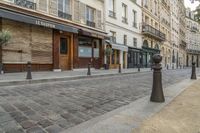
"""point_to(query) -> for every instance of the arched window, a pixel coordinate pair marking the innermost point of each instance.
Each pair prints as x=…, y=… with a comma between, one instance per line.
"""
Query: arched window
x=156, y=46
x=145, y=44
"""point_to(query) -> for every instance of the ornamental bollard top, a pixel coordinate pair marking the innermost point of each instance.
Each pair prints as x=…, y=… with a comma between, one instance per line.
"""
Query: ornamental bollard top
x=120, y=69
x=29, y=75
x=193, y=76
x=157, y=90
x=89, y=71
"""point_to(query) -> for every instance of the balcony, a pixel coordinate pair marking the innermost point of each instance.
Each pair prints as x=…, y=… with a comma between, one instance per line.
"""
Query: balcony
x=112, y=14
x=149, y=30
x=124, y=20
x=90, y=23
x=64, y=15
x=26, y=4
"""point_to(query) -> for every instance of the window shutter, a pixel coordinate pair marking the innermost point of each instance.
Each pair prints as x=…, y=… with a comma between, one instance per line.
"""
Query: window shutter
x=82, y=13
x=42, y=5
x=76, y=10
x=53, y=7
x=98, y=19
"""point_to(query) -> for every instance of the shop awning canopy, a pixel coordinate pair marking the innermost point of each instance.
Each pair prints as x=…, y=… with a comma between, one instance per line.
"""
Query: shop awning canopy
x=118, y=46
x=36, y=21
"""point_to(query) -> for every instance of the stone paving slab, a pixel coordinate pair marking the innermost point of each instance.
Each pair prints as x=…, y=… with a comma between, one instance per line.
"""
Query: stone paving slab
x=127, y=118
x=66, y=104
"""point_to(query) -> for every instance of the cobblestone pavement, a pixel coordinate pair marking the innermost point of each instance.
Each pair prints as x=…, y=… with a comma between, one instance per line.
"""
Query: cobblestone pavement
x=54, y=107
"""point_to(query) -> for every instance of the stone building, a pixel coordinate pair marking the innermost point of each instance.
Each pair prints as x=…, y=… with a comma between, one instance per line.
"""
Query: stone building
x=182, y=34
x=165, y=27
x=153, y=37
x=174, y=4
x=192, y=39
x=123, y=19
x=53, y=34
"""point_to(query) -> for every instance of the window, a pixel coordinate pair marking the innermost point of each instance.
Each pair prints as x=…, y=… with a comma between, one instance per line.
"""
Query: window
x=113, y=36
x=135, y=42
x=112, y=9
x=90, y=16
x=63, y=45
x=125, y=39
x=145, y=3
x=124, y=13
x=134, y=18
x=64, y=9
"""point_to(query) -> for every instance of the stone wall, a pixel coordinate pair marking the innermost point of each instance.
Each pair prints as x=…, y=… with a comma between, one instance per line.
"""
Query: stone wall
x=28, y=43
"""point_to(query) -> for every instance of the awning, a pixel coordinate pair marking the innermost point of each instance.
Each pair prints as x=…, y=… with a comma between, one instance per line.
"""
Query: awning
x=36, y=21
x=118, y=46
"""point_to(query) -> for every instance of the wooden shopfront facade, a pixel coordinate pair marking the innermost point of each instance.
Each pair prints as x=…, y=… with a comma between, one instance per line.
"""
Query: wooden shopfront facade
x=88, y=48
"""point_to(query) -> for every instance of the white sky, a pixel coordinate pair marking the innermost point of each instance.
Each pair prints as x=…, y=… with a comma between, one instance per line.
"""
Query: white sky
x=189, y=4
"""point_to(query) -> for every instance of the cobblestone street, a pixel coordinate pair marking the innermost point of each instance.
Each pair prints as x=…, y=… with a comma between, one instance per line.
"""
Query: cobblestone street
x=54, y=107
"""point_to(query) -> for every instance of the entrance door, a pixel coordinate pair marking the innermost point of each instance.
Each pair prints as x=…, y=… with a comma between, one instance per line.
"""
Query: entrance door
x=64, y=53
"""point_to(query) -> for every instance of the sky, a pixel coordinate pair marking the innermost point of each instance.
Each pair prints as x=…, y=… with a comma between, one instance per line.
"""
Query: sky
x=189, y=4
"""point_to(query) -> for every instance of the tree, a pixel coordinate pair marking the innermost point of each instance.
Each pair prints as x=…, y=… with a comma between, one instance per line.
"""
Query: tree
x=5, y=36
x=108, y=52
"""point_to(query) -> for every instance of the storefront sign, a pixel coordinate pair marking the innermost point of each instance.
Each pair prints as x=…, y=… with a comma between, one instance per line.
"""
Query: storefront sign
x=45, y=24
x=36, y=21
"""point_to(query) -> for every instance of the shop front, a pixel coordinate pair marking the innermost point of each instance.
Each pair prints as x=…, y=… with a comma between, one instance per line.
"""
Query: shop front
x=118, y=55
x=47, y=44
x=147, y=54
x=134, y=57
x=88, y=48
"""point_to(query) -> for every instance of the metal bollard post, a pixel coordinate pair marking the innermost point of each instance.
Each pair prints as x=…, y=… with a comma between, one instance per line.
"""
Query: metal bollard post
x=29, y=75
x=167, y=66
x=138, y=67
x=120, y=69
x=89, y=71
x=193, y=76
x=157, y=90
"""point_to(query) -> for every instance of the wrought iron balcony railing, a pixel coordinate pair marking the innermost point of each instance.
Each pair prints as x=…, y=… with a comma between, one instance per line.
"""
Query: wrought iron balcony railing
x=64, y=15
x=90, y=23
x=149, y=30
x=26, y=3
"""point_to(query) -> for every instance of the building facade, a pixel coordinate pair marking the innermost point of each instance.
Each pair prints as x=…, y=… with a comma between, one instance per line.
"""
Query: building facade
x=192, y=39
x=122, y=25
x=182, y=34
x=53, y=34
x=153, y=39
x=174, y=33
x=165, y=27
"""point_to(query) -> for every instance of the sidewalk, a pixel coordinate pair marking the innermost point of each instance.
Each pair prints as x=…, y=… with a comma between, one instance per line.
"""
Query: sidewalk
x=38, y=77
x=180, y=116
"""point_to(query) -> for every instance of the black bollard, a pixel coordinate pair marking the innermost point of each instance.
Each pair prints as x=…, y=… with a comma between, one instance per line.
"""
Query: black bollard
x=138, y=67
x=120, y=69
x=89, y=71
x=29, y=75
x=157, y=90
x=193, y=76
x=167, y=66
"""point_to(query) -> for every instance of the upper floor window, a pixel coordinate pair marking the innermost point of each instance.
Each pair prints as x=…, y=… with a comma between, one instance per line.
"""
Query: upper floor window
x=135, y=42
x=145, y=3
x=124, y=13
x=134, y=18
x=113, y=36
x=90, y=16
x=112, y=8
x=125, y=39
x=64, y=9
